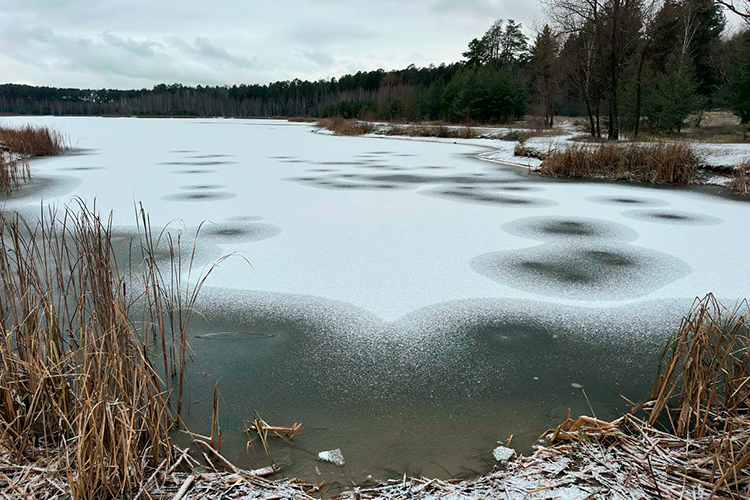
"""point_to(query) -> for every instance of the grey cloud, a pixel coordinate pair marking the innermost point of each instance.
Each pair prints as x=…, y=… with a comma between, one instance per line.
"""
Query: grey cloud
x=99, y=43
x=173, y=59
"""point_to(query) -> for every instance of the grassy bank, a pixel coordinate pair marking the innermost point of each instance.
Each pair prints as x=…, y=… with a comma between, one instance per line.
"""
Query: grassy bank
x=652, y=163
x=17, y=144
x=31, y=140
x=342, y=126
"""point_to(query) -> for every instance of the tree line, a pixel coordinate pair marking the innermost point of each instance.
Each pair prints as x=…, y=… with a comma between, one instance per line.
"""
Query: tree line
x=621, y=64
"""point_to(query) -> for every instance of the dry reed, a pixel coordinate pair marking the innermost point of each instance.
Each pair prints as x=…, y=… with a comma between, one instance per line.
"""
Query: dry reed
x=441, y=131
x=81, y=390
x=17, y=144
x=740, y=182
x=341, y=126
x=13, y=171
x=33, y=140
x=694, y=441
x=653, y=163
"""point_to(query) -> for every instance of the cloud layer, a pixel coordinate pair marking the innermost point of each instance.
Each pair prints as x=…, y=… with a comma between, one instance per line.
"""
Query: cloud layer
x=140, y=43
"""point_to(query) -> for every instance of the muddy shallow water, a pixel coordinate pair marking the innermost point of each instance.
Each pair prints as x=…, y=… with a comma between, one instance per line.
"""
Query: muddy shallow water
x=401, y=299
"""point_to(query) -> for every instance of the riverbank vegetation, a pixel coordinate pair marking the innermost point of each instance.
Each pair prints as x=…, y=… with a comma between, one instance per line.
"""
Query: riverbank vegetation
x=17, y=144
x=740, y=183
x=13, y=171
x=664, y=163
x=92, y=355
x=342, y=126
x=31, y=140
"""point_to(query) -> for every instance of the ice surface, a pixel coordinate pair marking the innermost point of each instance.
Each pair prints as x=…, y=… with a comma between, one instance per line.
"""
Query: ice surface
x=387, y=225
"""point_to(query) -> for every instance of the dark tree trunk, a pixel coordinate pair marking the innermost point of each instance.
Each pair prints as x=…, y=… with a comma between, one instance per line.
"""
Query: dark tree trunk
x=591, y=115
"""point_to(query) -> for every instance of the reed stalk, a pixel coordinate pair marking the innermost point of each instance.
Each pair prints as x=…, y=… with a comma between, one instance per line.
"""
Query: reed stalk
x=80, y=386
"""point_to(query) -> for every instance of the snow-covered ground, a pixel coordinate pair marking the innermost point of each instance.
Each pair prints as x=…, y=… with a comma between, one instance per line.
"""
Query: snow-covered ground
x=709, y=154
x=410, y=287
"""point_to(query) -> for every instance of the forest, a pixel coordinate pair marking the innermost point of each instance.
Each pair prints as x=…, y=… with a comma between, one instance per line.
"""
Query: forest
x=624, y=65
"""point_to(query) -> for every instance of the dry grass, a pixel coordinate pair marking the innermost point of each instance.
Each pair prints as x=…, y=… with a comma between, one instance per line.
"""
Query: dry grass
x=720, y=134
x=431, y=131
x=13, y=171
x=302, y=119
x=30, y=140
x=740, y=183
x=341, y=126
x=523, y=135
x=19, y=143
x=694, y=441
x=654, y=163
x=88, y=352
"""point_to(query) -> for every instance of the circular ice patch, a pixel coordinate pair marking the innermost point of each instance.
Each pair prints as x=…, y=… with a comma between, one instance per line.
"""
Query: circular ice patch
x=627, y=201
x=195, y=196
x=231, y=232
x=673, y=217
x=576, y=228
x=582, y=272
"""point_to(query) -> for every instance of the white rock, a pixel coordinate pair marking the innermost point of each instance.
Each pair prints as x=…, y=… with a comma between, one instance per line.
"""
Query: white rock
x=333, y=456
x=576, y=385
x=503, y=454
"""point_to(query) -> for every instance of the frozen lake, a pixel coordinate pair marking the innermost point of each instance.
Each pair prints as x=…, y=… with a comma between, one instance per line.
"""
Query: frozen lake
x=407, y=302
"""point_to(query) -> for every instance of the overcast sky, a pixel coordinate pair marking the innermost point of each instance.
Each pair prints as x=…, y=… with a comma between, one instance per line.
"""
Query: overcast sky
x=138, y=43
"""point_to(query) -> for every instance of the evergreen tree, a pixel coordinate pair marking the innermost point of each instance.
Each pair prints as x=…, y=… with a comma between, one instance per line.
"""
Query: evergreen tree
x=513, y=45
x=476, y=54
x=674, y=96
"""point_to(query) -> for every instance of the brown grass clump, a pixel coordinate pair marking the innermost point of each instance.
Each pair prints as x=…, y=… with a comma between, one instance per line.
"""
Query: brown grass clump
x=87, y=352
x=19, y=143
x=740, y=183
x=441, y=131
x=302, y=119
x=341, y=126
x=31, y=140
x=654, y=163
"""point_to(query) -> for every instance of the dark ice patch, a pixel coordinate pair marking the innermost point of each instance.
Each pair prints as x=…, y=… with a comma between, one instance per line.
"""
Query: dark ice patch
x=569, y=228
x=588, y=272
x=673, y=217
x=196, y=196
x=627, y=201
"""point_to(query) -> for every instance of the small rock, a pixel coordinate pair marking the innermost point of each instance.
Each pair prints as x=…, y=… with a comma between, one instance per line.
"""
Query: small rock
x=503, y=454
x=576, y=385
x=333, y=456
x=317, y=471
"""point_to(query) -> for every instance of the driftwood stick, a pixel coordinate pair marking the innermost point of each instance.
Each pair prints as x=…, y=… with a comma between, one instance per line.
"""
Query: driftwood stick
x=185, y=486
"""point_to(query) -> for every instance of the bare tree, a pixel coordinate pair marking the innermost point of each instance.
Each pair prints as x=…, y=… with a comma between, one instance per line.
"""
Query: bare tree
x=739, y=7
x=612, y=25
